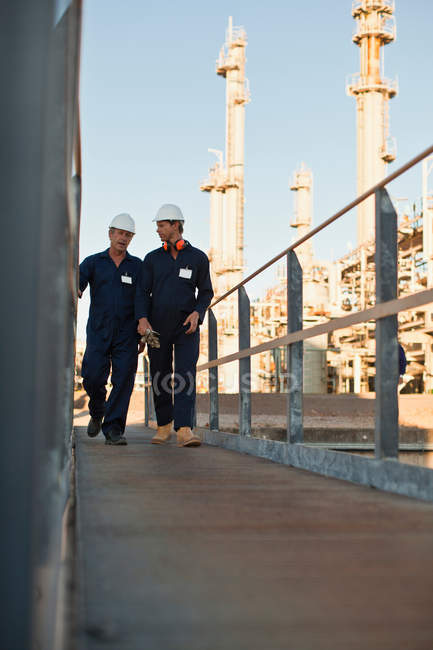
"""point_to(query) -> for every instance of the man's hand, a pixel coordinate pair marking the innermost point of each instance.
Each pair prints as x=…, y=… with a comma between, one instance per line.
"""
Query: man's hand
x=192, y=321
x=143, y=326
x=148, y=335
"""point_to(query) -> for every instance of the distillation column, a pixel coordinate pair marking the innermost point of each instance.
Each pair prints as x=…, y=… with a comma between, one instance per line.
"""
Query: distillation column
x=315, y=293
x=302, y=184
x=375, y=28
x=215, y=185
x=231, y=66
x=226, y=183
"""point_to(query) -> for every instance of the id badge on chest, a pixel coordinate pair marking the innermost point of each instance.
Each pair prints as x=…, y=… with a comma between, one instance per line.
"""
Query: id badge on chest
x=185, y=273
x=126, y=279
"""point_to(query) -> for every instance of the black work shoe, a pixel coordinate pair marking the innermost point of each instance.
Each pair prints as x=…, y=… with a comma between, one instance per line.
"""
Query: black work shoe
x=116, y=441
x=115, y=437
x=94, y=427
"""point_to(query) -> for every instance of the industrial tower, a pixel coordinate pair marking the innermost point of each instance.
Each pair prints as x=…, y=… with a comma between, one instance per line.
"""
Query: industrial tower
x=375, y=28
x=226, y=183
x=302, y=185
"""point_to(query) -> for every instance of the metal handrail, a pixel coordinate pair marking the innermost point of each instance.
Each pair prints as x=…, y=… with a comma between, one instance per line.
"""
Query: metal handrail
x=381, y=310
x=334, y=217
x=395, y=477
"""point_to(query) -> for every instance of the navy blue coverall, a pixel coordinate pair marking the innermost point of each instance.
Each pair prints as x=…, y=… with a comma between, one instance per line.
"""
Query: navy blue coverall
x=168, y=291
x=112, y=337
x=402, y=362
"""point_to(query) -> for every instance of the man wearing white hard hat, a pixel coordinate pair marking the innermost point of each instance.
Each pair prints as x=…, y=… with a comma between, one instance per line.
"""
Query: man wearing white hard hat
x=112, y=340
x=174, y=291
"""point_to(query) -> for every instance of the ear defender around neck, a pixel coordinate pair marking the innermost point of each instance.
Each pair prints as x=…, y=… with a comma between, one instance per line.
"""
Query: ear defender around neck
x=179, y=245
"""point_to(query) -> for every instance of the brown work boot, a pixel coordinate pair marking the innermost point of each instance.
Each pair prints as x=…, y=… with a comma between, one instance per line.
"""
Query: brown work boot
x=186, y=438
x=163, y=434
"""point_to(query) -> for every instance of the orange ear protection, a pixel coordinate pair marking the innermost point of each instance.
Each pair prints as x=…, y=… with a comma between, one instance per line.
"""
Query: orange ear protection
x=179, y=245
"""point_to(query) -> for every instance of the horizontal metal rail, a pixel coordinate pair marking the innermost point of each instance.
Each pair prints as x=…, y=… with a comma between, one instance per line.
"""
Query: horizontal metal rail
x=337, y=215
x=380, y=310
x=382, y=471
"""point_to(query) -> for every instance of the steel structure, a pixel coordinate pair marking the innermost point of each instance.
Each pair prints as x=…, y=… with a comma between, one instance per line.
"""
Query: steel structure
x=353, y=365
x=331, y=289
x=375, y=28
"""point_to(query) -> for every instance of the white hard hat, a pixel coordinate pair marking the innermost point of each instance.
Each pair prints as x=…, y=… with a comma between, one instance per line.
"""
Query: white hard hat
x=169, y=212
x=123, y=221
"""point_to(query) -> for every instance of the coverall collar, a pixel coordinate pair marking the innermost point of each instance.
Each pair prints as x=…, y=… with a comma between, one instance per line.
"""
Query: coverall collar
x=107, y=254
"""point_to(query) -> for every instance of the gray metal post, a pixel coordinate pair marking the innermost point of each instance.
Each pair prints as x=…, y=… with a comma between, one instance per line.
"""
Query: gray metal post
x=295, y=351
x=386, y=421
x=213, y=372
x=244, y=364
x=146, y=390
x=39, y=64
x=152, y=412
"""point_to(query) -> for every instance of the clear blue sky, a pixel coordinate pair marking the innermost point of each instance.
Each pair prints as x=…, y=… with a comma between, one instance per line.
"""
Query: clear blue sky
x=152, y=104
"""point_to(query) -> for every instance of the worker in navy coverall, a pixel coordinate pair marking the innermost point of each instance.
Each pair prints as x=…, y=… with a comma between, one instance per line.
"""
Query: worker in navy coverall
x=112, y=338
x=402, y=363
x=174, y=290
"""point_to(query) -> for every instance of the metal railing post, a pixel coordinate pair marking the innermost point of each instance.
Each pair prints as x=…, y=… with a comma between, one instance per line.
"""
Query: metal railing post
x=386, y=416
x=146, y=390
x=152, y=412
x=295, y=351
x=244, y=364
x=213, y=372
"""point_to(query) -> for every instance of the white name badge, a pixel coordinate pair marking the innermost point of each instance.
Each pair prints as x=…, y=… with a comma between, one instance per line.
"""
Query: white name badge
x=126, y=279
x=185, y=273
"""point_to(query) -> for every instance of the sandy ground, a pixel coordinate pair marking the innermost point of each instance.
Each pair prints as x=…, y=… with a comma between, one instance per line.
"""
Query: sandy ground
x=321, y=412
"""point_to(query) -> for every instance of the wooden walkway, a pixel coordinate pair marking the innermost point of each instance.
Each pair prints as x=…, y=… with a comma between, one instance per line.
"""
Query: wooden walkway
x=207, y=549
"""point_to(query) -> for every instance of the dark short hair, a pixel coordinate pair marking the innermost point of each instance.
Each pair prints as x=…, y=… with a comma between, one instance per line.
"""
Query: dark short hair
x=173, y=221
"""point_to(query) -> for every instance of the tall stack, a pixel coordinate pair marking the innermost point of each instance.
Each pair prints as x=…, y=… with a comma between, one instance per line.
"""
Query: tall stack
x=302, y=185
x=225, y=185
x=375, y=28
x=226, y=182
